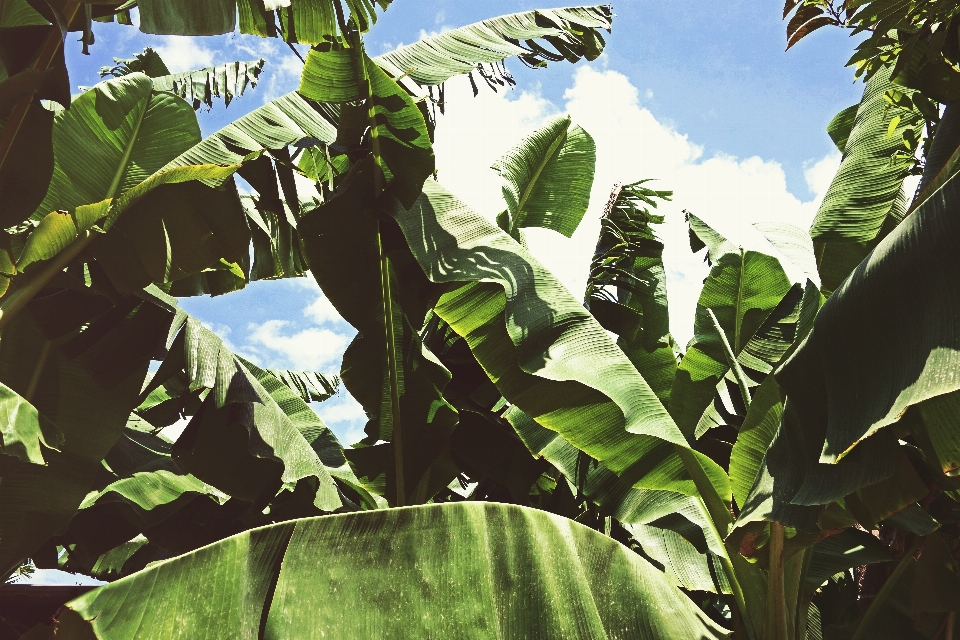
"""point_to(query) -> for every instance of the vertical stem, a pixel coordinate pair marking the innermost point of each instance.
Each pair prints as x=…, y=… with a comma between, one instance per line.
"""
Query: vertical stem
x=385, y=288
x=737, y=310
x=776, y=603
x=391, y=344
x=951, y=620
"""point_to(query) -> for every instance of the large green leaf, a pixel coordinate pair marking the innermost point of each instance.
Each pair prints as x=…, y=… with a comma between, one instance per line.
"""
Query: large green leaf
x=863, y=365
x=559, y=579
x=865, y=198
x=19, y=13
x=110, y=147
x=435, y=59
x=112, y=138
x=548, y=178
x=627, y=288
x=756, y=434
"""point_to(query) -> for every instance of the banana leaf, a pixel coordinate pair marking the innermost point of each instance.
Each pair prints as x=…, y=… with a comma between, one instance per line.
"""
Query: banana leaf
x=865, y=198
x=572, y=32
x=548, y=178
x=279, y=582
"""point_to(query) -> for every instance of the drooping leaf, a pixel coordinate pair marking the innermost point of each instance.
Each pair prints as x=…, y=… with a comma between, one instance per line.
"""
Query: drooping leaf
x=863, y=366
x=287, y=120
x=241, y=406
x=865, y=198
x=180, y=17
x=311, y=22
x=427, y=545
x=309, y=385
x=228, y=80
x=548, y=178
x=573, y=33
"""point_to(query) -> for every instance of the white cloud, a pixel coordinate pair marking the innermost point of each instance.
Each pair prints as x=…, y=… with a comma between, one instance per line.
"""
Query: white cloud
x=344, y=416
x=311, y=349
x=728, y=192
x=322, y=310
x=819, y=174
x=185, y=53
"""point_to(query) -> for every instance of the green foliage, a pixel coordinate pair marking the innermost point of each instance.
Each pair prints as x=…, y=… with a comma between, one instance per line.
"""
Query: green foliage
x=548, y=178
x=722, y=484
x=279, y=578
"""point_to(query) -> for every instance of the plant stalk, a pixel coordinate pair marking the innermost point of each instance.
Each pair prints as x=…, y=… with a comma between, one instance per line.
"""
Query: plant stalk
x=776, y=600
x=386, y=294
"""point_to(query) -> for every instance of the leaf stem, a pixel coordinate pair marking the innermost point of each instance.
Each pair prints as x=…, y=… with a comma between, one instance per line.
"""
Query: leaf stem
x=776, y=597
x=732, y=360
x=386, y=291
x=738, y=314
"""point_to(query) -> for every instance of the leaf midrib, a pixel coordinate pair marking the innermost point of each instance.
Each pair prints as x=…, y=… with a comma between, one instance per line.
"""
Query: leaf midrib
x=738, y=317
x=125, y=159
x=547, y=157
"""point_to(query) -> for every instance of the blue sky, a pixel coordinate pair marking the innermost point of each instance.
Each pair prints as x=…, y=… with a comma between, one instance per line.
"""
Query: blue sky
x=697, y=93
